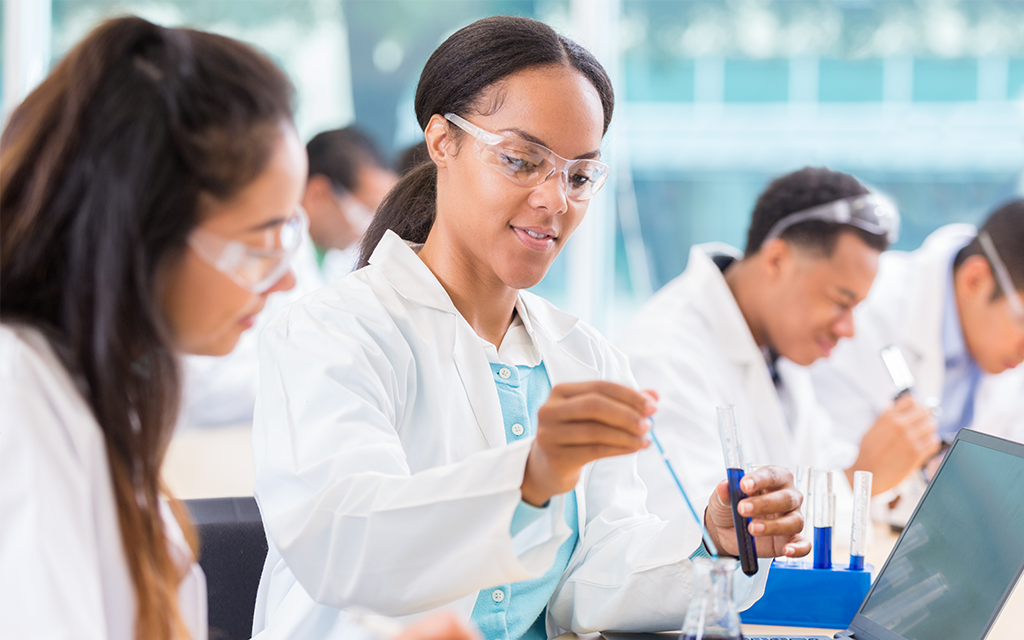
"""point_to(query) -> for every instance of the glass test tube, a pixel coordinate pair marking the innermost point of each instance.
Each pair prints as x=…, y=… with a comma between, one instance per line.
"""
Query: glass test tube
x=824, y=517
x=803, y=485
x=861, y=519
x=729, y=431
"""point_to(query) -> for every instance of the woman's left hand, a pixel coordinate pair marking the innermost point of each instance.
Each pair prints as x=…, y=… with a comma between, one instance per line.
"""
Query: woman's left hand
x=773, y=505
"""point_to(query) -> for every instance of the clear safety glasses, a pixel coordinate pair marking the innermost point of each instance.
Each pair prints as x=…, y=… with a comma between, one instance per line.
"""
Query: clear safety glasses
x=530, y=164
x=869, y=212
x=1002, y=277
x=255, y=268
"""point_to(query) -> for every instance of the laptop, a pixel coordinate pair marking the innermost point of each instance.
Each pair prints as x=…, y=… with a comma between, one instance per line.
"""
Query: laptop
x=958, y=559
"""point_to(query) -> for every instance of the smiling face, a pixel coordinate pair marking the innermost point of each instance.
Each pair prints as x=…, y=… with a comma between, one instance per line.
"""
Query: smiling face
x=501, y=232
x=810, y=298
x=206, y=309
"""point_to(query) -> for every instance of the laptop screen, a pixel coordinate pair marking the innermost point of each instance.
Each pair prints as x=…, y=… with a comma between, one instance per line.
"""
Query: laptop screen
x=961, y=552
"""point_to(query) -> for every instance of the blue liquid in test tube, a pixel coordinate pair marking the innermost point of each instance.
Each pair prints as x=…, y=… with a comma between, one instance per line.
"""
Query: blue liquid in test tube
x=824, y=517
x=856, y=563
x=729, y=432
x=822, y=547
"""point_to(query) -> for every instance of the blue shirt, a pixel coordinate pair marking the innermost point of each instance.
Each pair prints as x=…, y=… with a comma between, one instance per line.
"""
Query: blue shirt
x=516, y=610
x=962, y=373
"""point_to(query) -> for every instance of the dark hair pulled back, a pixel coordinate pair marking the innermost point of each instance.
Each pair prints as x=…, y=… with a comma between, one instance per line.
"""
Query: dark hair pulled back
x=101, y=172
x=800, y=190
x=466, y=64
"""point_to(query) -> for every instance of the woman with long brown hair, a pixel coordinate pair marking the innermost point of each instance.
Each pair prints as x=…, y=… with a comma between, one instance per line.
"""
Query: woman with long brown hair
x=149, y=193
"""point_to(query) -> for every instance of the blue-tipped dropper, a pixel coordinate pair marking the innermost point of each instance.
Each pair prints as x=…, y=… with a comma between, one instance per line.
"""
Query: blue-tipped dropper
x=712, y=549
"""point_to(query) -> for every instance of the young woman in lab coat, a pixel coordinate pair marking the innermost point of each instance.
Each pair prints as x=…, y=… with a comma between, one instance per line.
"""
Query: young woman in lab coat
x=429, y=435
x=150, y=189
x=145, y=151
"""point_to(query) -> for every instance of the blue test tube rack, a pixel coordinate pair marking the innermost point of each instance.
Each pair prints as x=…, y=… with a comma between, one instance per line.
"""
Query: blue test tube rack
x=814, y=591
x=798, y=595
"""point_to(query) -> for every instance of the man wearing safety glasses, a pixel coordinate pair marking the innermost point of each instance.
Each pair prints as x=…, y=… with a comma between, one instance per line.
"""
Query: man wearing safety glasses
x=741, y=329
x=954, y=309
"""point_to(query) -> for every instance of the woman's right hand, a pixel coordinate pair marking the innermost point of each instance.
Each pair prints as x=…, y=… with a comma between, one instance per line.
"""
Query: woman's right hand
x=581, y=422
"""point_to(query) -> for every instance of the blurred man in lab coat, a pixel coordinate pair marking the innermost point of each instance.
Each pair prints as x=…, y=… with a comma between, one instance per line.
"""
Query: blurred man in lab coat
x=954, y=309
x=348, y=179
x=741, y=329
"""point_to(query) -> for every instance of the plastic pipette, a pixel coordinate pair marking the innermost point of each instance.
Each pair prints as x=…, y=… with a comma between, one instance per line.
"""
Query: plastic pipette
x=824, y=517
x=712, y=549
x=861, y=519
x=729, y=431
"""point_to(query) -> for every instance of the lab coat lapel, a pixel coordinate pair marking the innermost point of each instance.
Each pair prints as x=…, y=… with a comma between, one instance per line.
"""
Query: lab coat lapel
x=550, y=329
x=477, y=379
x=398, y=263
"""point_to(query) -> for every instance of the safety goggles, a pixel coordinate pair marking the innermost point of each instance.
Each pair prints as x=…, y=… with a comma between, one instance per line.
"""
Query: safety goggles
x=1002, y=276
x=869, y=212
x=255, y=269
x=530, y=164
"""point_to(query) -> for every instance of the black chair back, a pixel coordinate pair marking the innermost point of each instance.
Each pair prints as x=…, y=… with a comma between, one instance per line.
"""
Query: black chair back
x=233, y=549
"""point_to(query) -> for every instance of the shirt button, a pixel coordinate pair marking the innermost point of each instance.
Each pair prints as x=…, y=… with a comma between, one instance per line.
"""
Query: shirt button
x=498, y=595
x=504, y=373
x=517, y=429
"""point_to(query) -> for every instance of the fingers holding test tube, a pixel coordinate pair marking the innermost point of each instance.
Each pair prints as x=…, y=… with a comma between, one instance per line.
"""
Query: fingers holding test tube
x=773, y=506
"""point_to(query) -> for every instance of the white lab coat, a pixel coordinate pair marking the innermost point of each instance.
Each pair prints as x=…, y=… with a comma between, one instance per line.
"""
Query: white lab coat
x=385, y=481
x=691, y=344
x=905, y=307
x=63, y=572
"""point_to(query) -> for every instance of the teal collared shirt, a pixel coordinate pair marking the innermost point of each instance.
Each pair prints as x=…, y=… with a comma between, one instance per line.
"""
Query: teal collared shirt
x=516, y=610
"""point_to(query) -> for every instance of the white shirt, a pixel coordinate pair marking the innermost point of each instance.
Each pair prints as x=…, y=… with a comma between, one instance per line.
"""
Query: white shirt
x=63, y=571
x=691, y=344
x=385, y=481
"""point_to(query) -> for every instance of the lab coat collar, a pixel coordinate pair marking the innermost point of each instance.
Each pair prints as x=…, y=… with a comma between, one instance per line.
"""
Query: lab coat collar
x=714, y=301
x=548, y=327
x=398, y=262
x=926, y=287
x=541, y=316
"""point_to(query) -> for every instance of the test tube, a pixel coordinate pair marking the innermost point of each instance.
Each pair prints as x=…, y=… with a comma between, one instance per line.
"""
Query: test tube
x=803, y=485
x=729, y=431
x=824, y=517
x=861, y=519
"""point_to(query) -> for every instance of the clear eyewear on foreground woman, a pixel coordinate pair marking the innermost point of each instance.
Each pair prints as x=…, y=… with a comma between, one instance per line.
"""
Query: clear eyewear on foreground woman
x=429, y=435
x=149, y=189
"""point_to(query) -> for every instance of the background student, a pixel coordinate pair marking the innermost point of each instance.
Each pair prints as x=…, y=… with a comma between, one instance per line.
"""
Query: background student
x=741, y=328
x=348, y=179
x=960, y=330
x=429, y=435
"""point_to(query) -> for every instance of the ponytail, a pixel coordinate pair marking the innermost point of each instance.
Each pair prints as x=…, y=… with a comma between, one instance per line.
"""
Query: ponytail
x=408, y=210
